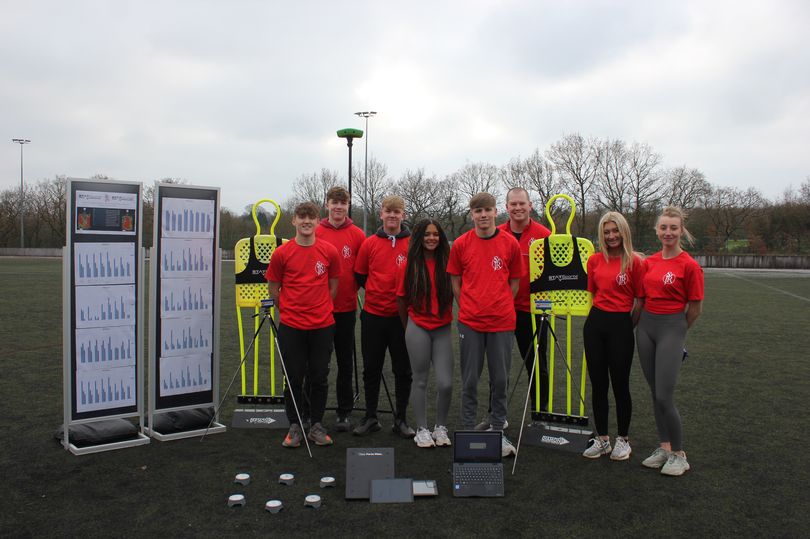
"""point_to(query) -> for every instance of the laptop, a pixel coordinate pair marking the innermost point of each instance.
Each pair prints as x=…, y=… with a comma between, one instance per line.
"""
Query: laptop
x=364, y=464
x=477, y=466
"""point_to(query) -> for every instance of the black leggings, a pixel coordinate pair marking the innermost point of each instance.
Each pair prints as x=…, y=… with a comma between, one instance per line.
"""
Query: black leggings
x=609, y=344
x=378, y=333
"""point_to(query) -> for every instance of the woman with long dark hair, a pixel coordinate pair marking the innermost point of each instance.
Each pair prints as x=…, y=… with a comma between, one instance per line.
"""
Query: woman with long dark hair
x=425, y=300
x=614, y=279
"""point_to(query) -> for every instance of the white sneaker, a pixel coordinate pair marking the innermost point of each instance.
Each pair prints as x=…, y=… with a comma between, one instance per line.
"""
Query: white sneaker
x=658, y=458
x=440, y=436
x=507, y=448
x=423, y=438
x=675, y=465
x=622, y=450
x=597, y=448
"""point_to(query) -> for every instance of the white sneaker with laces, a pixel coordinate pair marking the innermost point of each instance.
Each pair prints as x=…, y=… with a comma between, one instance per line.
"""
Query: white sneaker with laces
x=658, y=458
x=597, y=448
x=423, y=438
x=676, y=465
x=622, y=450
x=440, y=436
x=507, y=448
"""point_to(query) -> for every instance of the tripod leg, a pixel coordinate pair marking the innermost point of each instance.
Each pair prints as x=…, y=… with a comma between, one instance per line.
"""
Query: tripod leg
x=526, y=404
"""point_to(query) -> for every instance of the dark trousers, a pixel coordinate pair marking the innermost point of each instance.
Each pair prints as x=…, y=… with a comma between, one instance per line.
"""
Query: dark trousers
x=523, y=336
x=377, y=334
x=609, y=344
x=344, y=356
x=306, y=353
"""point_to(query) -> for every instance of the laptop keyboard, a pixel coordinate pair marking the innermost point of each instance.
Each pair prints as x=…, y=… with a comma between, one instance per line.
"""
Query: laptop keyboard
x=472, y=474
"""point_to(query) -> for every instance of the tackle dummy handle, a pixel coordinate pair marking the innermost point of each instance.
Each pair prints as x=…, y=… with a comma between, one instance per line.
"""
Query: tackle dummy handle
x=256, y=217
x=570, y=217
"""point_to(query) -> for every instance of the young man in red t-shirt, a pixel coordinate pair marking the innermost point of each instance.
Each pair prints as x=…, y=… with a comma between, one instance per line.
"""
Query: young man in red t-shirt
x=526, y=230
x=337, y=228
x=303, y=280
x=377, y=264
x=485, y=268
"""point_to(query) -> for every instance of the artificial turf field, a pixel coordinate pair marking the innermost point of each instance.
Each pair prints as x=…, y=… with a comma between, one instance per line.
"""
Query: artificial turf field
x=742, y=396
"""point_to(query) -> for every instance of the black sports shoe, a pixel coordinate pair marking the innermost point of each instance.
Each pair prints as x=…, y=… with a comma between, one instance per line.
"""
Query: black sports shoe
x=401, y=427
x=367, y=426
x=343, y=424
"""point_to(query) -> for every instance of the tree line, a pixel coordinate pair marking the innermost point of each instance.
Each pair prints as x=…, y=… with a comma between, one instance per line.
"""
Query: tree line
x=599, y=174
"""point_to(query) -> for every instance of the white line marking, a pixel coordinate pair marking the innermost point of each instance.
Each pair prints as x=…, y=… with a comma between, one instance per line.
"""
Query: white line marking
x=768, y=286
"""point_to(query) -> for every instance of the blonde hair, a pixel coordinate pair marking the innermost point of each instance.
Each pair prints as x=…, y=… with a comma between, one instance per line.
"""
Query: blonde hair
x=677, y=213
x=627, y=238
x=393, y=202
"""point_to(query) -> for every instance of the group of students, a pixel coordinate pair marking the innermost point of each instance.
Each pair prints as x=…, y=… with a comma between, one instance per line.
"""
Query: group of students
x=411, y=279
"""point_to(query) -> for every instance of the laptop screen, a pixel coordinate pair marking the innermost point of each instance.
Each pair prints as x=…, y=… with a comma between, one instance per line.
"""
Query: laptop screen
x=476, y=446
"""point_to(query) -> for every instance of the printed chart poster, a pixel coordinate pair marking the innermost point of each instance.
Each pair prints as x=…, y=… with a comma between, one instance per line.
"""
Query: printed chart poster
x=186, y=297
x=185, y=374
x=191, y=335
x=104, y=263
x=186, y=258
x=105, y=348
x=187, y=218
x=100, y=212
x=105, y=306
x=105, y=388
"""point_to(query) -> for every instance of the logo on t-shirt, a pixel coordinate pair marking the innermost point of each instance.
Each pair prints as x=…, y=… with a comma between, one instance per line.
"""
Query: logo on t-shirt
x=669, y=278
x=531, y=240
x=320, y=268
x=497, y=263
x=400, y=259
x=621, y=279
x=347, y=251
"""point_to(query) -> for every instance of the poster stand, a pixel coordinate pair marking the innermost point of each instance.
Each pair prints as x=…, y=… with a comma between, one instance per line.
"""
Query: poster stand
x=185, y=270
x=102, y=316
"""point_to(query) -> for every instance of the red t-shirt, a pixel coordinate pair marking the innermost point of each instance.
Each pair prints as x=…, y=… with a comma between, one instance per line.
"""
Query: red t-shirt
x=425, y=320
x=535, y=231
x=347, y=240
x=379, y=258
x=614, y=291
x=485, y=267
x=670, y=284
x=304, y=273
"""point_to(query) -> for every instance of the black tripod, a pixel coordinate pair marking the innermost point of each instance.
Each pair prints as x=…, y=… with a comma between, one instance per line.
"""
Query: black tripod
x=266, y=314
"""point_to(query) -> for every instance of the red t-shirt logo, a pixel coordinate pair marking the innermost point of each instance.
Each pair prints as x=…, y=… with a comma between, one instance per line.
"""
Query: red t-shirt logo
x=347, y=251
x=400, y=259
x=669, y=278
x=497, y=263
x=621, y=279
x=320, y=268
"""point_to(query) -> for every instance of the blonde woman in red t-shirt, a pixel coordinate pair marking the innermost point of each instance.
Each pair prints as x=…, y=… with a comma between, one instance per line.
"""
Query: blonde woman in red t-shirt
x=673, y=290
x=425, y=301
x=614, y=279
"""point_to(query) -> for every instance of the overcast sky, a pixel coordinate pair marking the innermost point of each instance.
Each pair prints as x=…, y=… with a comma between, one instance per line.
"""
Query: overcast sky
x=247, y=95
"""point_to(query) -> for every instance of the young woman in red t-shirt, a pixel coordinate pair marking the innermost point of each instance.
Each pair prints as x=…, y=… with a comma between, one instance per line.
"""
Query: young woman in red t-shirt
x=614, y=279
x=673, y=290
x=425, y=301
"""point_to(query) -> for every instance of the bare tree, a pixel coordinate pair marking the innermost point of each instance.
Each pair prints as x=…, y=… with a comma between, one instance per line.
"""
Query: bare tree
x=685, y=187
x=645, y=183
x=379, y=186
x=612, y=180
x=576, y=161
x=313, y=187
x=535, y=175
x=729, y=208
x=474, y=178
x=449, y=208
x=422, y=194
x=48, y=201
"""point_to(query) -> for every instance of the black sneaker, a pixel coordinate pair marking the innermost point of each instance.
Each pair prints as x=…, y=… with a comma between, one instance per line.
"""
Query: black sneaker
x=367, y=426
x=343, y=424
x=401, y=427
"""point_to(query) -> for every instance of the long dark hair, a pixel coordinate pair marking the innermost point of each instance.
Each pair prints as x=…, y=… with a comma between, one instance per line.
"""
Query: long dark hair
x=417, y=280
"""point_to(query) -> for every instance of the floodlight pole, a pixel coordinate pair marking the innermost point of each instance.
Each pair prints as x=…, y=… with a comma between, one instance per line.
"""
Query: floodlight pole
x=21, y=142
x=350, y=134
x=365, y=114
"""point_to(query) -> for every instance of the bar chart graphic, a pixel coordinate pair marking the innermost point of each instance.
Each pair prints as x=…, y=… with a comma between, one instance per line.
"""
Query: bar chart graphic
x=186, y=336
x=103, y=306
x=185, y=374
x=104, y=263
x=186, y=258
x=184, y=297
x=187, y=218
x=103, y=348
x=104, y=389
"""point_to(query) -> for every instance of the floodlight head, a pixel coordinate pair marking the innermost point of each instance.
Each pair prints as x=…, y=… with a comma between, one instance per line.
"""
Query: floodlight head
x=350, y=133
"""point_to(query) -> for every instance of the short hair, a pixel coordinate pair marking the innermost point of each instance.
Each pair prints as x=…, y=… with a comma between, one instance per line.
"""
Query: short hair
x=393, y=202
x=482, y=200
x=518, y=190
x=306, y=209
x=338, y=193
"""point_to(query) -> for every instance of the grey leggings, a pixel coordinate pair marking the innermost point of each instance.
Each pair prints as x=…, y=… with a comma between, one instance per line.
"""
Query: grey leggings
x=660, y=339
x=426, y=346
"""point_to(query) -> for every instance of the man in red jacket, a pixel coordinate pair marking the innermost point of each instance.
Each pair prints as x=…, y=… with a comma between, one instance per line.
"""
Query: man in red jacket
x=377, y=263
x=347, y=238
